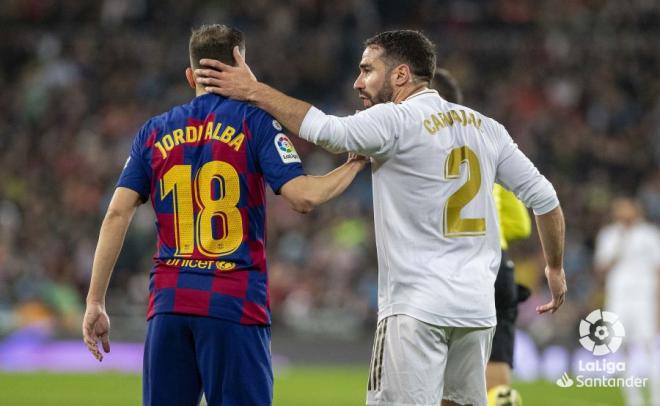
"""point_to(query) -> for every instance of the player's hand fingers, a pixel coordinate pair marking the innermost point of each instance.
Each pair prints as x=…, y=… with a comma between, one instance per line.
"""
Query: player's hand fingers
x=105, y=341
x=215, y=64
x=238, y=57
x=207, y=73
x=93, y=349
x=548, y=307
x=217, y=90
x=209, y=81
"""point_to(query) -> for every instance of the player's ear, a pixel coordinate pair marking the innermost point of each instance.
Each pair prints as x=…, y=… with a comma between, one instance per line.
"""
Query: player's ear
x=190, y=76
x=402, y=74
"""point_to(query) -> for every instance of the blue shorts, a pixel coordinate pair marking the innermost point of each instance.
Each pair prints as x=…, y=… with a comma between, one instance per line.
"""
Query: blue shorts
x=185, y=354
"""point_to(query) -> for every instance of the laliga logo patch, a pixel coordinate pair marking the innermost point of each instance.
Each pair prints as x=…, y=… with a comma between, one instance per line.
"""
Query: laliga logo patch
x=601, y=332
x=286, y=149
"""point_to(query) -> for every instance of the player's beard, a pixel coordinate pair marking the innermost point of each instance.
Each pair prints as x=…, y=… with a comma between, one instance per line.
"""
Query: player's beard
x=383, y=95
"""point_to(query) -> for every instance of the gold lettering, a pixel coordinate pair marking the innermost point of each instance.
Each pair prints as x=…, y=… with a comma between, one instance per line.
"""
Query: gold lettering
x=455, y=117
x=437, y=121
x=447, y=118
x=178, y=136
x=464, y=119
x=237, y=141
x=209, y=130
x=227, y=134
x=427, y=125
x=471, y=119
x=168, y=142
x=191, y=134
x=216, y=131
x=161, y=149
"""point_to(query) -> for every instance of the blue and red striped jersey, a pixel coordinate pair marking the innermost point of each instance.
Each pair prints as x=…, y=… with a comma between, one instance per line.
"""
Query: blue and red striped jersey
x=203, y=165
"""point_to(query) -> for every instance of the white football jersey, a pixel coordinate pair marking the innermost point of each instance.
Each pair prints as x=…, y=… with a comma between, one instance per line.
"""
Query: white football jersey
x=633, y=256
x=434, y=164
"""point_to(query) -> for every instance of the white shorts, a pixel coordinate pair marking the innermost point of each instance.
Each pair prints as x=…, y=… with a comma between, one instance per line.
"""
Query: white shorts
x=415, y=363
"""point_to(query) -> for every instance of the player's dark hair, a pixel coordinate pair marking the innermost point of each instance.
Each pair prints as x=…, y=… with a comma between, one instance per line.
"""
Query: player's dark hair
x=447, y=86
x=215, y=41
x=408, y=47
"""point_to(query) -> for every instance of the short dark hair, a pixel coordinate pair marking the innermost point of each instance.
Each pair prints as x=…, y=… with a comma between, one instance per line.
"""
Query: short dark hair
x=215, y=41
x=409, y=47
x=447, y=86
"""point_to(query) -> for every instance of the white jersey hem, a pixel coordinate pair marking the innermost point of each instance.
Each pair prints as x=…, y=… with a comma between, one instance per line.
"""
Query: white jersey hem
x=434, y=318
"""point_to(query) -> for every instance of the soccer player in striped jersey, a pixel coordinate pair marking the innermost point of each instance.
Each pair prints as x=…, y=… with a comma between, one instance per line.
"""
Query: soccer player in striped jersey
x=204, y=166
x=434, y=165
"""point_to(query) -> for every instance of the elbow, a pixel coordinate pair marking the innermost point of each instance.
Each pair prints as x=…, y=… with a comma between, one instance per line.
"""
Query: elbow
x=113, y=214
x=303, y=205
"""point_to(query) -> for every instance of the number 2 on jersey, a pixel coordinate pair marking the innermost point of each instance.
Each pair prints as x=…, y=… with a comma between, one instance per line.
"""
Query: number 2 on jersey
x=177, y=180
x=454, y=225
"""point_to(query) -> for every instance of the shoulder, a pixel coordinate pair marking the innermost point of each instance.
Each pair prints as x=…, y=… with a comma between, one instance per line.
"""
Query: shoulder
x=255, y=114
x=609, y=231
x=650, y=229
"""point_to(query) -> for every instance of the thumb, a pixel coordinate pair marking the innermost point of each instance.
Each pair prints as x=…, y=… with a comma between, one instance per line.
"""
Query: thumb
x=105, y=341
x=238, y=57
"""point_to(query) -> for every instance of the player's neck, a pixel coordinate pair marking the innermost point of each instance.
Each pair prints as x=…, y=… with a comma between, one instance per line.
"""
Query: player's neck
x=199, y=91
x=408, y=90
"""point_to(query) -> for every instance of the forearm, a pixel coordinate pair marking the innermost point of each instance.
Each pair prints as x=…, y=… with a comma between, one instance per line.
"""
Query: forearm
x=551, y=232
x=331, y=185
x=290, y=112
x=306, y=192
x=111, y=239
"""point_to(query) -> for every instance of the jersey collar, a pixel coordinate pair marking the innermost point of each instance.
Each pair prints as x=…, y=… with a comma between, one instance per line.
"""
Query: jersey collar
x=421, y=92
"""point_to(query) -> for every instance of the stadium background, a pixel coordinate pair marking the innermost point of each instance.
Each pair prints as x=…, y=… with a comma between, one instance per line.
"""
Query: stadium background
x=575, y=82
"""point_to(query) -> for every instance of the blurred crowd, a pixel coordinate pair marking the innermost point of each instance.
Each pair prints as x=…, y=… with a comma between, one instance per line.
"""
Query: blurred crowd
x=574, y=81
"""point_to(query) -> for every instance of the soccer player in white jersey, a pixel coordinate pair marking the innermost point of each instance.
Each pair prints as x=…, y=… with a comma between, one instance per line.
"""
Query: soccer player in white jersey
x=628, y=257
x=434, y=164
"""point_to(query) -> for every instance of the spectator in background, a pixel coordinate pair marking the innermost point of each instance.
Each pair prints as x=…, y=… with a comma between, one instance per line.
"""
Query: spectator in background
x=628, y=257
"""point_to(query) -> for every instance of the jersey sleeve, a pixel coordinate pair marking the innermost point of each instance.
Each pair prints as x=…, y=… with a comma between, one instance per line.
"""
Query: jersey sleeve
x=518, y=174
x=135, y=175
x=372, y=132
x=275, y=152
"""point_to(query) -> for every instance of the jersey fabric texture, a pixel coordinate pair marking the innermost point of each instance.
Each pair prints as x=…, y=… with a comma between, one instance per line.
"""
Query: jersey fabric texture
x=434, y=165
x=204, y=166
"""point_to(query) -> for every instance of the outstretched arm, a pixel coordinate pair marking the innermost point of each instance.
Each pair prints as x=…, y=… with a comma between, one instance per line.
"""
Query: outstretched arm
x=96, y=324
x=306, y=192
x=551, y=232
x=238, y=82
x=372, y=132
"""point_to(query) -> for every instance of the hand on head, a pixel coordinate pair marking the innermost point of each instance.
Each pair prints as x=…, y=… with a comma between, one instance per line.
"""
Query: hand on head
x=236, y=82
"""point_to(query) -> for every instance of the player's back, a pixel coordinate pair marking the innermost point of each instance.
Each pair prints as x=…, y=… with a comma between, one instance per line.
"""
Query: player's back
x=204, y=165
x=437, y=230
